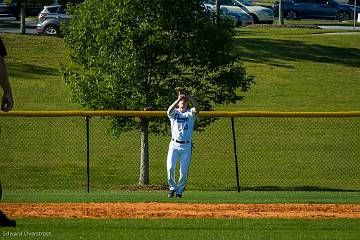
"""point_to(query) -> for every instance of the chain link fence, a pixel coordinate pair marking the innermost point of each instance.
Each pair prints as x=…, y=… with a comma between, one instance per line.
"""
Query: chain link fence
x=272, y=153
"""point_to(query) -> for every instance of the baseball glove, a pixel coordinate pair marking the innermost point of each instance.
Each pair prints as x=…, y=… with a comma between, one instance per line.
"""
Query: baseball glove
x=181, y=90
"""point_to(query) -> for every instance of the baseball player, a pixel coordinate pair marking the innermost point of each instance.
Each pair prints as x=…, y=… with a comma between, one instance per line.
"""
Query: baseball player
x=182, y=122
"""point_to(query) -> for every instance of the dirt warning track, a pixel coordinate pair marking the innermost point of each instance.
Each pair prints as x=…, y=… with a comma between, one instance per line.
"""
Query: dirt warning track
x=179, y=210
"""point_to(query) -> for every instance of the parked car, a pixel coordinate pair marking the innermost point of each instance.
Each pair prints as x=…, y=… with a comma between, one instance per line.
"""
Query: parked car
x=239, y=16
x=50, y=20
x=260, y=14
x=315, y=9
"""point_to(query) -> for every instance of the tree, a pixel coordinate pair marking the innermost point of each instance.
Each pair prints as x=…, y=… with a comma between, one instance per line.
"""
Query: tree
x=131, y=54
x=217, y=10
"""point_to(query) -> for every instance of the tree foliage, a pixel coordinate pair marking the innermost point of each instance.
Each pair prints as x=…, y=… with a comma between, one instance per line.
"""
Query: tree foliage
x=131, y=54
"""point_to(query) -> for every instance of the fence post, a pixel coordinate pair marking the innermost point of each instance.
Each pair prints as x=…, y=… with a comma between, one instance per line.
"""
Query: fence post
x=235, y=155
x=87, y=119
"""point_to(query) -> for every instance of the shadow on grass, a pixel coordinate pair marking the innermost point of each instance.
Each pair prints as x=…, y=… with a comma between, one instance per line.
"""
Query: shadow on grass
x=277, y=52
x=30, y=71
x=296, y=188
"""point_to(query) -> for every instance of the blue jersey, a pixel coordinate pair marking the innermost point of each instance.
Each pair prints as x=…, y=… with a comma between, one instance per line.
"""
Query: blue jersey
x=182, y=124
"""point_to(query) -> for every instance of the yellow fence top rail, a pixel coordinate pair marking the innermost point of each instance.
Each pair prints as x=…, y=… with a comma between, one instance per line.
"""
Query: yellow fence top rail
x=163, y=114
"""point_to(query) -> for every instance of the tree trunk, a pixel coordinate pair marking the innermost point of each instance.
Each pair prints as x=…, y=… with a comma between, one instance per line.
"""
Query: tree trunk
x=22, y=20
x=281, y=19
x=144, y=161
x=217, y=11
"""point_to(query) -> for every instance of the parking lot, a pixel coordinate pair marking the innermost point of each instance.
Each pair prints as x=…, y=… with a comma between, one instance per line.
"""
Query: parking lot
x=11, y=25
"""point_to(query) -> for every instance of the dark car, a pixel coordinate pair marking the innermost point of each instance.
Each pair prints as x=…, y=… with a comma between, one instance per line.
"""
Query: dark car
x=315, y=9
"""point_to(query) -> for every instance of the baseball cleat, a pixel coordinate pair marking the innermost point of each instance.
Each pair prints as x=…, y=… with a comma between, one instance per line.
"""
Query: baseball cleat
x=6, y=222
x=171, y=193
x=178, y=195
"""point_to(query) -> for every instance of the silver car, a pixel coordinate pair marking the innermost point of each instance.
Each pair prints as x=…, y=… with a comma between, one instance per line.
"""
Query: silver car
x=259, y=13
x=239, y=16
x=50, y=20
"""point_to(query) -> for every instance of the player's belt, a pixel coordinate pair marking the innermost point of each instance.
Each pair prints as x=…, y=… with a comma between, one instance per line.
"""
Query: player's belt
x=181, y=142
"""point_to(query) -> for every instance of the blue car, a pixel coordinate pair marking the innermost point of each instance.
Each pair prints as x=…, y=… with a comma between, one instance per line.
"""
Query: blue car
x=315, y=9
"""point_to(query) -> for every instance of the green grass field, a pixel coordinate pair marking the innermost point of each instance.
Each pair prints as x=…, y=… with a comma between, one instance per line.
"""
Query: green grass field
x=276, y=229
x=295, y=70
x=256, y=197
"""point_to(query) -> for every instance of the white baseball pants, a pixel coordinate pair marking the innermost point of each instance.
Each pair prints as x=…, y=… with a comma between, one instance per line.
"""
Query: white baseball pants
x=182, y=152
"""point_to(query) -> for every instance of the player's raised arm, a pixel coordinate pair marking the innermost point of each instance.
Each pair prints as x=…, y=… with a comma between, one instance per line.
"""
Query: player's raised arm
x=174, y=105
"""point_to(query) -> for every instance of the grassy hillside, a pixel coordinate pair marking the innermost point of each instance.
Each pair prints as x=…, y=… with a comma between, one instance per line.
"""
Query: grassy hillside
x=295, y=70
x=300, y=70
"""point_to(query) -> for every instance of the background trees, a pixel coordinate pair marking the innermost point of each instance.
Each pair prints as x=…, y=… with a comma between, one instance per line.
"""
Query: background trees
x=131, y=54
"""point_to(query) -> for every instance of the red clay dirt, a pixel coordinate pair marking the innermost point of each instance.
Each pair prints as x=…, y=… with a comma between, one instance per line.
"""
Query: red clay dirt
x=179, y=210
